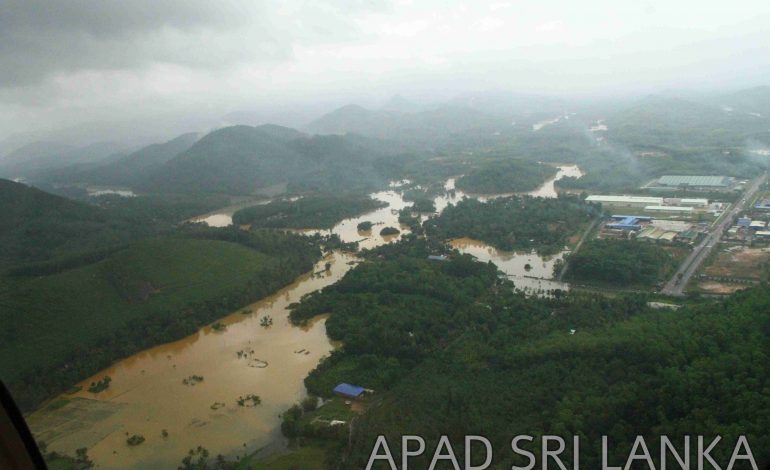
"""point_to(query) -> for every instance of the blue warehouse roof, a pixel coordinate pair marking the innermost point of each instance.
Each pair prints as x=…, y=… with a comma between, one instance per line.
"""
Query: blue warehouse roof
x=349, y=390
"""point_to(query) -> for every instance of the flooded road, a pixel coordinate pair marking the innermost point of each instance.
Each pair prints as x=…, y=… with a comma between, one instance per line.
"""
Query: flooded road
x=147, y=394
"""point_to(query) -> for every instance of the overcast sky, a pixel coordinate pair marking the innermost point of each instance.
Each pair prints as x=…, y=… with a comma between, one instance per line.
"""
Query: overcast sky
x=191, y=62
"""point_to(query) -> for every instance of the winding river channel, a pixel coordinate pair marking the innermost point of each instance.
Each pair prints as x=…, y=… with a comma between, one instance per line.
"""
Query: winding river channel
x=147, y=395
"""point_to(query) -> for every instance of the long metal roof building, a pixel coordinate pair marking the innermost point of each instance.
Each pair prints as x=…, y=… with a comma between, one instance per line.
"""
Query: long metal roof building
x=641, y=200
x=698, y=181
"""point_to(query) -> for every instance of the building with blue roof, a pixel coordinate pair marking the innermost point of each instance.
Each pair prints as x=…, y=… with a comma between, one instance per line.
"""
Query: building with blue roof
x=627, y=222
x=349, y=391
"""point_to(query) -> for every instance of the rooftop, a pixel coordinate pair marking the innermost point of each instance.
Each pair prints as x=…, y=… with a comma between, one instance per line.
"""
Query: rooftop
x=349, y=390
x=626, y=199
x=677, y=180
x=668, y=208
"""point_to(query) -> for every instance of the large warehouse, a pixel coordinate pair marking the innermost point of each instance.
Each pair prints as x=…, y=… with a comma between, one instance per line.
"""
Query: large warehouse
x=695, y=182
x=626, y=201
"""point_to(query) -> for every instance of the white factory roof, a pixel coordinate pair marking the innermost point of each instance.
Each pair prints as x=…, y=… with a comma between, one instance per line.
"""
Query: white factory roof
x=758, y=223
x=668, y=208
x=694, y=201
x=763, y=233
x=625, y=199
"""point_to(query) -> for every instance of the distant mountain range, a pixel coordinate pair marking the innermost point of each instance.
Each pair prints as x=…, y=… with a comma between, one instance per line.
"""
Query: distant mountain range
x=43, y=155
x=245, y=159
x=342, y=149
x=127, y=170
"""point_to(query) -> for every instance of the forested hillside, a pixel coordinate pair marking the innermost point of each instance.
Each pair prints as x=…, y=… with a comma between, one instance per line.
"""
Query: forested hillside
x=40, y=227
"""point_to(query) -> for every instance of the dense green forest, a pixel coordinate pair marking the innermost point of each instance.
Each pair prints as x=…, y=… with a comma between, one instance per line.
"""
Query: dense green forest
x=318, y=211
x=390, y=315
x=505, y=176
x=64, y=322
x=514, y=223
x=620, y=263
x=702, y=370
x=450, y=349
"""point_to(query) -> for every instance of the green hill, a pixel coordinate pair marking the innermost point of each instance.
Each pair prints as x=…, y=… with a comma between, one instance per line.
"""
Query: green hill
x=244, y=159
x=36, y=226
x=61, y=327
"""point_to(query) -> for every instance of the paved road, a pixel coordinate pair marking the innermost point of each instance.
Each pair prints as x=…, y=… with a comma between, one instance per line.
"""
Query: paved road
x=675, y=286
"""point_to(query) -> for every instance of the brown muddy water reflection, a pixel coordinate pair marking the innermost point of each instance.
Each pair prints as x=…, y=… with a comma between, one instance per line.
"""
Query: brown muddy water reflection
x=147, y=395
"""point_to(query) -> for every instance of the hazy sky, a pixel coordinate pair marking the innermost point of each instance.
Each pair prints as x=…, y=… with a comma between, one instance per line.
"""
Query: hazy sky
x=188, y=61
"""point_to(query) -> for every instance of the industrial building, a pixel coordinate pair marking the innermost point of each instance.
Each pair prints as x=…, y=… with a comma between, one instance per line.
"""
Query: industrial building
x=698, y=183
x=652, y=233
x=627, y=222
x=688, y=202
x=763, y=205
x=669, y=209
x=625, y=201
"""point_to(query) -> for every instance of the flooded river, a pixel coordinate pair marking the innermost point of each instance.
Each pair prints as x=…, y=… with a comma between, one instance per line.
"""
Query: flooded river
x=147, y=394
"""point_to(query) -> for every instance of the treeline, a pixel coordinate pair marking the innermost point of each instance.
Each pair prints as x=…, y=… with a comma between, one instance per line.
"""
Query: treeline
x=620, y=263
x=319, y=211
x=514, y=223
x=505, y=176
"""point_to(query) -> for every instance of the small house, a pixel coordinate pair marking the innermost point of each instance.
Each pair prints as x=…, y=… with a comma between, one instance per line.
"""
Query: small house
x=353, y=392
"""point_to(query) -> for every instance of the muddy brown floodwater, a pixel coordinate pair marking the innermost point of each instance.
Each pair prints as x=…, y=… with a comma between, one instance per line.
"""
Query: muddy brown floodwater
x=147, y=394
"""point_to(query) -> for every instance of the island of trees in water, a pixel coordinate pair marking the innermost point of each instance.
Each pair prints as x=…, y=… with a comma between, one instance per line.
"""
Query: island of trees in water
x=317, y=211
x=516, y=222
